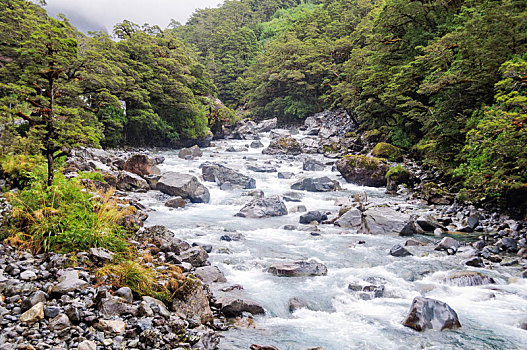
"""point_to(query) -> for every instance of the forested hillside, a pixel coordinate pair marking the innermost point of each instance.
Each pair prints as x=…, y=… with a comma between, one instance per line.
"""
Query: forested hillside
x=445, y=80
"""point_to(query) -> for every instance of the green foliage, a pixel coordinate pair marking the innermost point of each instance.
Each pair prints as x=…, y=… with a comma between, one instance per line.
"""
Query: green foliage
x=63, y=218
x=385, y=150
x=20, y=169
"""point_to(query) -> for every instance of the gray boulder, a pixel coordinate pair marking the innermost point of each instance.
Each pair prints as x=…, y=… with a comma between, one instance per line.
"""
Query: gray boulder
x=313, y=165
x=127, y=181
x=449, y=244
x=197, y=256
x=427, y=313
x=311, y=216
x=176, y=202
x=383, y=220
x=209, y=274
x=263, y=208
x=190, y=153
x=399, y=251
x=266, y=125
x=193, y=303
x=183, y=185
x=351, y=218
x=234, y=307
x=285, y=145
x=298, y=269
x=262, y=168
x=321, y=184
x=221, y=174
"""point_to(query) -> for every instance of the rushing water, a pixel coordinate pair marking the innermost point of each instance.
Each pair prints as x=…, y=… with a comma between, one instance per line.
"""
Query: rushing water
x=336, y=317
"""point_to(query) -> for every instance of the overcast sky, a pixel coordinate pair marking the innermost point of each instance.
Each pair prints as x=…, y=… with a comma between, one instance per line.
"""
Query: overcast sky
x=103, y=14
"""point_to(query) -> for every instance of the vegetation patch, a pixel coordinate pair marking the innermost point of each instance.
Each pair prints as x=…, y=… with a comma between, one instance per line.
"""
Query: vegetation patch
x=388, y=151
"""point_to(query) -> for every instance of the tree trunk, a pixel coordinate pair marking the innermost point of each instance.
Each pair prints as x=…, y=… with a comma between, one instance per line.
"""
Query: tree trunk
x=49, y=132
x=50, y=169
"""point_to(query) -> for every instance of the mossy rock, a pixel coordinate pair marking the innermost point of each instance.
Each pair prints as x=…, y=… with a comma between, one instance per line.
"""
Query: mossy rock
x=399, y=175
x=435, y=194
x=363, y=170
x=284, y=145
x=388, y=151
x=372, y=135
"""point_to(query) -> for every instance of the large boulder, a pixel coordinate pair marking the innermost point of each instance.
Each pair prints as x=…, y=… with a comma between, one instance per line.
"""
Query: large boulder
x=298, y=269
x=266, y=125
x=141, y=165
x=127, y=181
x=183, y=185
x=209, y=274
x=351, y=218
x=427, y=313
x=193, y=303
x=384, y=220
x=321, y=184
x=388, y=151
x=363, y=170
x=285, y=145
x=190, y=153
x=221, y=174
x=263, y=208
x=234, y=307
x=311, y=216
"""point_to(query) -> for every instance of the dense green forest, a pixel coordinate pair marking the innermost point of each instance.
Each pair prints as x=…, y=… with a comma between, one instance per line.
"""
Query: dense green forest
x=444, y=80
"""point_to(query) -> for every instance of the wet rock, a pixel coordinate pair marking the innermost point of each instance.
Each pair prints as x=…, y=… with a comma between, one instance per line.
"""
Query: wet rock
x=141, y=165
x=69, y=281
x=125, y=293
x=311, y=216
x=412, y=242
x=285, y=175
x=427, y=313
x=474, y=262
x=508, y=244
x=363, y=170
x=399, y=251
x=197, y=256
x=321, y=184
x=428, y=223
x=296, y=303
x=263, y=347
x=194, y=303
x=263, y=208
x=176, y=202
x=111, y=326
x=232, y=236
x=183, y=185
x=236, y=149
x=234, y=307
x=298, y=269
x=468, y=278
x=34, y=314
x=472, y=221
x=298, y=209
x=256, y=144
x=126, y=181
x=384, y=220
x=209, y=274
x=59, y=323
x=192, y=152
x=221, y=174
x=284, y=145
x=313, y=165
x=449, y=244
x=351, y=218
x=277, y=134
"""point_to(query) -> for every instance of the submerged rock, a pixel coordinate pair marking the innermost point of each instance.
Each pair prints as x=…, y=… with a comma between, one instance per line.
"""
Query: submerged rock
x=298, y=269
x=468, y=279
x=183, y=185
x=263, y=208
x=311, y=216
x=427, y=313
x=399, y=251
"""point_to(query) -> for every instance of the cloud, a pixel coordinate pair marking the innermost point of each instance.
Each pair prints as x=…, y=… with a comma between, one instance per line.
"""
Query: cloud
x=99, y=14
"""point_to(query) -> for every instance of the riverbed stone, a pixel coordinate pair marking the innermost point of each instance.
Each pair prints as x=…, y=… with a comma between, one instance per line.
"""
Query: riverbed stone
x=383, y=220
x=263, y=208
x=127, y=181
x=285, y=175
x=183, y=185
x=125, y=293
x=284, y=145
x=197, y=256
x=314, y=215
x=35, y=298
x=209, y=274
x=298, y=269
x=234, y=307
x=468, y=279
x=399, y=251
x=87, y=345
x=191, y=152
x=111, y=326
x=321, y=184
x=176, y=202
x=449, y=244
x=221, y=174
x=363, y=170
x=141, y=165
x=34, y=314
x=351, y=218
x=427, y=313
x=59, y=323
x=194, y=303
x=311, y=164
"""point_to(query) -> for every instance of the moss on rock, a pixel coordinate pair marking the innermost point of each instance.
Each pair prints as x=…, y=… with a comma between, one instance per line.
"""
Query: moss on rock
x=363, y=170
x=388, y=151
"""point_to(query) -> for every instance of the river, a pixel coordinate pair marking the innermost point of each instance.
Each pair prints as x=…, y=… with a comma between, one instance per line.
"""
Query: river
x=336, y=317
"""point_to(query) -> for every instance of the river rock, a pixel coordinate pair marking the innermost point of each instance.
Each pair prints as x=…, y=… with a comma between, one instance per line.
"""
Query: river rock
x=183, y=185
x=285, y=145
x=127, y=181
x=312, y=165
x=256, y=144
x=234, y=307
x=176, y=202
x=87, y=345
x=399, y=251
x=111, y=326
x=197, y=256
x=383, y=220
x=277, y=134
x=363, y=170
x=351, y=218
x=321, y=184
x=298, y=269
x=263, y=208
x=193, y=303
x=125, y=293
x=59, y=323
x=468, y=279
x=262, y=168
x=449, y=244
x=266, y=125
x=69, y=281
x=35, y=298
x=209, y=274
x=34, y=314
x=311, y=216
x=141, y=165
x=115, y=306
x=285, y=175
x=221, y=174
x=101, y=255
x=192, y=152
x=262, y=347
x=428, y=223
x=427, y=313
x=296, y=303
